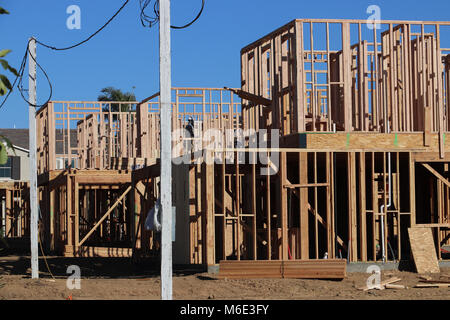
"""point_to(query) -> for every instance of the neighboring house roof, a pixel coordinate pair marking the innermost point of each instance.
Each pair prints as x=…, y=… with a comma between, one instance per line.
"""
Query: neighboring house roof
x=20, y=138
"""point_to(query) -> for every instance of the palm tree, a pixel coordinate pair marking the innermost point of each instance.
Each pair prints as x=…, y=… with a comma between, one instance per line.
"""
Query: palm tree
x=116, y=95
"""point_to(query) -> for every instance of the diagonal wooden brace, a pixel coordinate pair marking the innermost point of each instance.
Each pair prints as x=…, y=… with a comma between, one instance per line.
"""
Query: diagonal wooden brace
x=106, y=215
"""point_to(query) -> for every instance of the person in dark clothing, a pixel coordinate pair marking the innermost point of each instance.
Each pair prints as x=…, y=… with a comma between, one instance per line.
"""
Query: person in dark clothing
x=189, y=136
x=190, y=127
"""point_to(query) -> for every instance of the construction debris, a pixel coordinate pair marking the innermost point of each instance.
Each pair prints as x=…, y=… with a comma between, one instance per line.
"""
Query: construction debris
x=382, y=284
x=432, y=285
x=426, y=278
x=395, y=286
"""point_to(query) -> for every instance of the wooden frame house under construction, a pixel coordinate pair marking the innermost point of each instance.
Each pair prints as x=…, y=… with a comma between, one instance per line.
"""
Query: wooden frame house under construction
x=362, y=114
x=96, y=195
x=333, y=147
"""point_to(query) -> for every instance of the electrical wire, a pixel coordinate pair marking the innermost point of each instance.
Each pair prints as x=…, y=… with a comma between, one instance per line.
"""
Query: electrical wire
x=27, y=51
x=20, y=72
x=45, y=258
x=90, y=37
x=42, y=250
x=152, y=20
x=193, y=21
x=146, y=20
x=20, y=85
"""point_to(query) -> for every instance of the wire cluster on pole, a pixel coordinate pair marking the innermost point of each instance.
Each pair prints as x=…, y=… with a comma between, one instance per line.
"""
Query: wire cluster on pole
x=21, y=72
x=150, y=21
x=146, y=21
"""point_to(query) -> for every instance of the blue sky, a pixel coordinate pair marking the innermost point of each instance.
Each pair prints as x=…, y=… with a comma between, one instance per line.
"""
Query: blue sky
x=125, y=54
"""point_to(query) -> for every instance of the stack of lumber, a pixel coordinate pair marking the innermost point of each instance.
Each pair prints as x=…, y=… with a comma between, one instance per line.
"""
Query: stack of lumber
x=428, y=282
x=292, y=269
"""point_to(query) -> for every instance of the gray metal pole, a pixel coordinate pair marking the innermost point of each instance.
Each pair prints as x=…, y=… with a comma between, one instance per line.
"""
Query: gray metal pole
x=166, y=148
x=33, y=169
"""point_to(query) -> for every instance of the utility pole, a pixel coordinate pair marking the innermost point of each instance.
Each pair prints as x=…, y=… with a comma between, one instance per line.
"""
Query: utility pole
x=166, y=148
x=33, y=169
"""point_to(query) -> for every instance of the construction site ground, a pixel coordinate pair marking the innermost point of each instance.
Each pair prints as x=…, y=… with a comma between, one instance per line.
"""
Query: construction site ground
x=119, y=279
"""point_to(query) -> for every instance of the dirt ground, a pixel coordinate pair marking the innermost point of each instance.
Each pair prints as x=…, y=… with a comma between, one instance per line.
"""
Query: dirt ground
x=119, y=279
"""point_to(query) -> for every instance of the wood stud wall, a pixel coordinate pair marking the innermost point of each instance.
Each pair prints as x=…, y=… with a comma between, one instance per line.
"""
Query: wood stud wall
x=313, y=87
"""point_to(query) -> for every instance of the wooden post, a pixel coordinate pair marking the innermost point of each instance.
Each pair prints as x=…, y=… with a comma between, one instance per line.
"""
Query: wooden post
x=52, y=218
x=440, y=92
x=9, y=212
x=69, y=211
x=427, y=125
x=352, y=230
x=122, y=135
x=347, y=63
x=304, y=218
x=283, y=207
x=51, y=136
x=330, y=205
x=76, y=214
x=300, y=65
x=142, y=130
x=209, y=204
x=412, y=188
x=362, y=203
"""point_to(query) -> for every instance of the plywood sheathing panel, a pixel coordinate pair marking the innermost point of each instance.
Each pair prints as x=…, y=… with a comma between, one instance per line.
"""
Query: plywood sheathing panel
x=423, y=250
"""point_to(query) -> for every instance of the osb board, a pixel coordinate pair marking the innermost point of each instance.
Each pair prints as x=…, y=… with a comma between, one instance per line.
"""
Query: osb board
x=372, y=141
x=423, y=250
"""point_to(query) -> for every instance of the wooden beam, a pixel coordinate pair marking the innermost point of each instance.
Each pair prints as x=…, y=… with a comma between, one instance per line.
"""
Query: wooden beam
x=436, y=174
x=283, y=207
x=433, y=225
x=300, y=77
x=362, y=209
x=257, y=100
x=304, y=218
x=412, y=188
x=347, y=62
x=352, y=226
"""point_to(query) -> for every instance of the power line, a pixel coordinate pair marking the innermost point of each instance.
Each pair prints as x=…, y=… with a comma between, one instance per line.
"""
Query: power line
x=146, y=20
x=20, y=73
x=193, y=21
x=90, y=37
x=23, y=64
x=20, y=86
x=152, y=20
